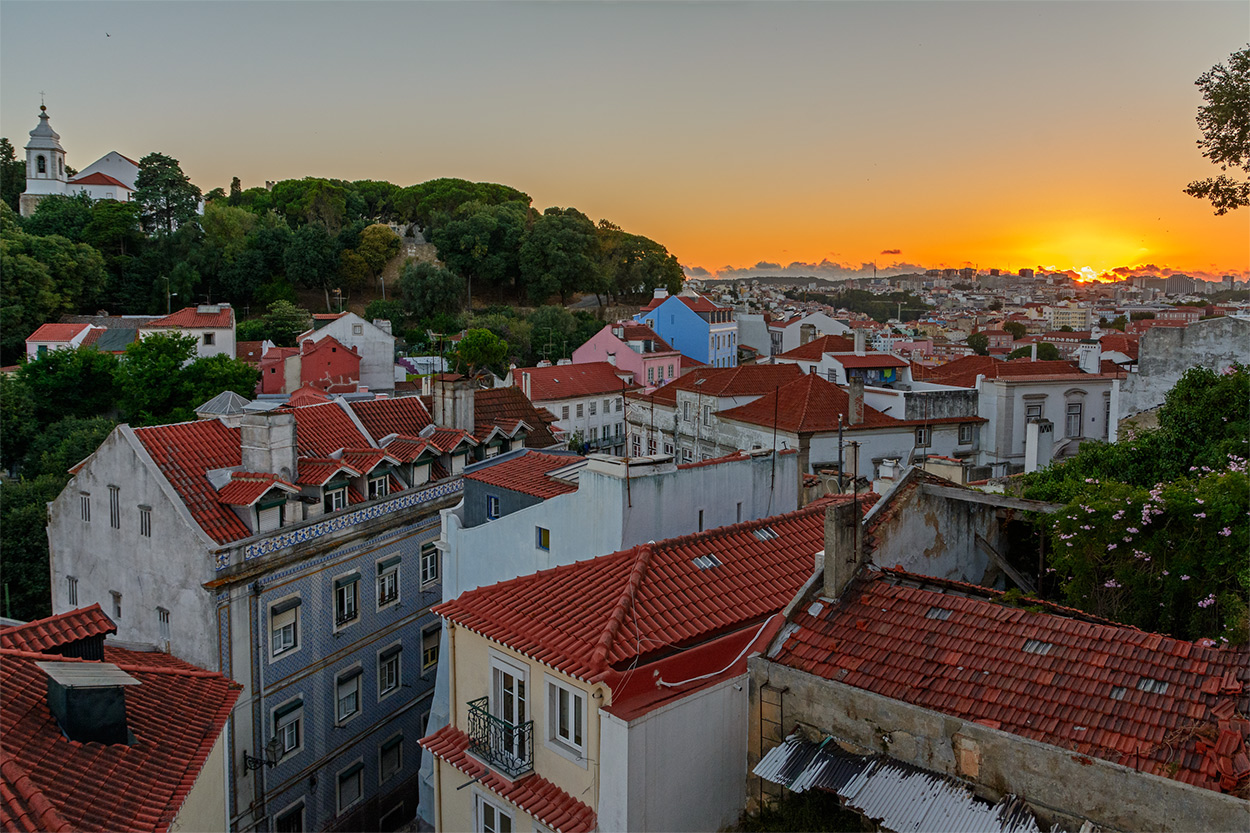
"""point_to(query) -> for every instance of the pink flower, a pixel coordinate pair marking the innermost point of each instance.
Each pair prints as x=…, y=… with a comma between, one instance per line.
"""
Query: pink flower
x=1200, y=514
x=1226, y=532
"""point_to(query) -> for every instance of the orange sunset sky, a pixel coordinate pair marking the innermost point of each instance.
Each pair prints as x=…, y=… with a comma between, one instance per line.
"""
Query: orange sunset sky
x=749, y=138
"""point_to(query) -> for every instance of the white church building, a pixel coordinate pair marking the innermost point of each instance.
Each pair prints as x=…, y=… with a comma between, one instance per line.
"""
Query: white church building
x=111, y=177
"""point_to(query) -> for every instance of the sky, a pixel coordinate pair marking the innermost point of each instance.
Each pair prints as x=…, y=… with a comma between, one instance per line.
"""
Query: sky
x=815, y=138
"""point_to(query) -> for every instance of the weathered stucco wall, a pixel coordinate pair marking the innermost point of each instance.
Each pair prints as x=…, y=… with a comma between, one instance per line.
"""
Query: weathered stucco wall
x=934, y=536
x=1167, y=352
x=1061, y=785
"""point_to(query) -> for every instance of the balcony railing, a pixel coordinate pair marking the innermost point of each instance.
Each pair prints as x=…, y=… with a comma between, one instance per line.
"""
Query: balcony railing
x=507, y=747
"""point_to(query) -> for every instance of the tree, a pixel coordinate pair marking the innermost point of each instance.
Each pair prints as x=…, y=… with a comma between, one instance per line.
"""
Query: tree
x=480, y=350
x=57, y=214
x=79, y=383
x=284, y=322
x=311, y=260
x=12, y=175
x=166, y=196
x=980, y=343
x=560, y=255
x=1046, y=352
x=391, y=310
x=1225, y=124
x=1016, y=329
x=482, y=242
x=208, y=376
x=430, y=290
x=149, y=376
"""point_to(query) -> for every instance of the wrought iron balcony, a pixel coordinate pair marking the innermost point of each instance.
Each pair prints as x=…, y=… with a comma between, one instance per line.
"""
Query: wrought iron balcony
x=507, y=747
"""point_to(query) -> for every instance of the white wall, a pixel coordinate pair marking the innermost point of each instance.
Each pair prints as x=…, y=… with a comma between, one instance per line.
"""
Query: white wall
x=375, y=346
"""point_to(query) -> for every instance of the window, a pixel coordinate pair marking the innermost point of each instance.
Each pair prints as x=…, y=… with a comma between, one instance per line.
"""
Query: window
x=379, y=487
x=618, y=404
x=579, y=410
x=347, y=695
x=1073, y=424
x=564, y=412
x=115, y=507
x=607, y=406
x=1106, y=416
x=284, y=626
x=542, y=538
x=965, y=433
x=670, y=371
x=594, y=433
x=335, y=498
x=71, y=590
x=145, y=521
x=41, y=164
x=685, y=411
x=490, y=818
x=269, y=515
x=650, y=375
x=700, y=520
x=687, y=456
x=429, y=564
x=209, y=339
x=162, y=619
x=288, y=726
x=84, y=506
x=651, y=445
x=429, y=648
x=924, y=435
x=620, y=429
x=345, y=598
x=739, y=515
x=509, y=702
x=1032, y=413
x=358, y=329
x=593, y=406
x=290, y=821
x=388, y=581
x=388, y=670
x=350, y=784
x=707, y=414
x=566, y=715
x=390, y=757
x=668, y=448
x=117, y=604
x=492, y=507
x=637, y=446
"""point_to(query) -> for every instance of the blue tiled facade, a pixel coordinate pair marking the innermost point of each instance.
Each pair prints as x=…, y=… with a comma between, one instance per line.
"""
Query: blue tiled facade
x=309, y=672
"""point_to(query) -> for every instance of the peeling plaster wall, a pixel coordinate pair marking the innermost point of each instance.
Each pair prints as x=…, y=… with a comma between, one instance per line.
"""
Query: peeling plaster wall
x=934, y=536
x=1059, y=784
x=1167, y=352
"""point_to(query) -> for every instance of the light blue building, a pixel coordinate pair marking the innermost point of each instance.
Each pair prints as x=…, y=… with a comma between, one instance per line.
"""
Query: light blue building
x=695, y=326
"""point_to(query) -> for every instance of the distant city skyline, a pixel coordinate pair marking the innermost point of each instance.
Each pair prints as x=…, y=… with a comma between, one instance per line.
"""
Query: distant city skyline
x=749, y=138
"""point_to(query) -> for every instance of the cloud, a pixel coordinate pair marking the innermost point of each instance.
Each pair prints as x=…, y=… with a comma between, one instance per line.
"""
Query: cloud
x=827, y=269
x=696, y=272
x=891, y=251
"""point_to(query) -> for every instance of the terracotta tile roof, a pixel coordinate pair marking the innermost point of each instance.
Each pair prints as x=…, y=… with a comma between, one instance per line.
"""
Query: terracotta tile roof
x=365, y=460
x=177, y=711
x=93, y=336
x=408, y=449
x=184, y=453
x=249, y=351
x=314, y=471
x=55, y=333
x=98, y=178
x=1138, y=699
x=528, y=474
x=963, y=372
x=547, y=384
x=588, y=618
x=321, y=430
x=306, y=394
x=807, y=404
x=697, y=303
x=815, y=349
x=55, y=631
x=448, y=440
x=380, y=417
x=192, y=317
x=633, y=331
x=504, y=407
x=247, y=487
x=746, y=380
x=1128, y=345
x=870, y=360
x=533, y=794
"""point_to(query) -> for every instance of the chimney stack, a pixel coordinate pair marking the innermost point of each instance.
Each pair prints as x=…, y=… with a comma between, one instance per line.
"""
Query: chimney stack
x=807, y=333
x=861, y=340
x=453, y=405
x=1033, y=353
x=268, y=444
x=856, y=392
x=843, y=547
x=87, y=700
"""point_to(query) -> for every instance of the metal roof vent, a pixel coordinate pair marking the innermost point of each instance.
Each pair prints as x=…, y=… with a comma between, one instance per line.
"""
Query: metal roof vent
x=87, y=700
x=1151, y=685
x=1036, y=646
x=707, y=562
x=765, y=533
x=939, y=613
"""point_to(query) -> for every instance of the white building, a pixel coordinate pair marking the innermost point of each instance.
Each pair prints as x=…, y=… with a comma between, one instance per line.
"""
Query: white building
x=51, y=337
x=373, y=342
x=586, y=398
x=212, y=326
x=111, y=177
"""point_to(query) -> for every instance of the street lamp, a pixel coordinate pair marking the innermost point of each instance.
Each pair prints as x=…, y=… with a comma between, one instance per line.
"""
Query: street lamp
x=273, y=753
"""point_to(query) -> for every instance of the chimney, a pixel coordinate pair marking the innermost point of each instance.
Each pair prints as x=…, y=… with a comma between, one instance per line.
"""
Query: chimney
x=843, y=547
x=1033, y=353
x=268, y=444
x=612, y=359
x=660, y=292
x=807, y=333
x=383, y=324
x=856, y=392
x=453, y=405
x=861, y=339
x=87, y=700
x=525, y=384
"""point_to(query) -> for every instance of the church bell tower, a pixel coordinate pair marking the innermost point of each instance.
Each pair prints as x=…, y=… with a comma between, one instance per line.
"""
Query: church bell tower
x=45, y=165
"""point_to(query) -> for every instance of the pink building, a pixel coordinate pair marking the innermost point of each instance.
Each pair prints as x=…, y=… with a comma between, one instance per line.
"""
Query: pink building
x=634, y=348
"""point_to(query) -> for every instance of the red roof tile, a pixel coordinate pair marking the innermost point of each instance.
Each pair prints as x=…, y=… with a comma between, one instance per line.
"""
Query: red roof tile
x=633, y=331
x=177, y=712
x=528, y=474
x=98, y=178
x=380, y=417
x=547, y=384
x=192, y=317
x=407, y=449
x=321, y=430
x=185, y=453
x=448, y=440
x=590, y=617
x=504, y=407
x=533, y=794
x=306, y=394
x=365, y=460
x=314, y=471
x=746, y=380
x=815, y=349
x=870, y=360
x=249, y=351
x=56, y=333
x=696, y=303
x=963, y=371
x=55, y=631
x=246, y=487
x=807, y=404
x=1078, y=685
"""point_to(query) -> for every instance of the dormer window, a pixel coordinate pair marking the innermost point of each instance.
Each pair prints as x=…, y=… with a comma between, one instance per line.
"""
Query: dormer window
x=379, y=487
x=269, y=514
x=336, y=497
x=420, y=473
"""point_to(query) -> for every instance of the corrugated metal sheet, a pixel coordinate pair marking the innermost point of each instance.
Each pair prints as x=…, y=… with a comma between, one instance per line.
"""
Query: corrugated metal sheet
x=896, y=796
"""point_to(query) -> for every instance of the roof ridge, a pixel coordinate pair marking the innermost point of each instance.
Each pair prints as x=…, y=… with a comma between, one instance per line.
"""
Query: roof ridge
x=642, y=564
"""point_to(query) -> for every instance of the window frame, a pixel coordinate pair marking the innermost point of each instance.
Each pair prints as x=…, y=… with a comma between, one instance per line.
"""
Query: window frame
x=1068, y=414
x=388, y=574
x=145, y=521
x=351, y=676
x=291, y=605
x=965, y=433
x=355, y=769
x=286, y=814
x=334, y=499
x=210, y=339
x=84, y=506
x=288, y=715
x=429, y=563
x=542, y=538
x=395, y=741
x=430, y=662
x=390, y=665
x=492, y=507
x=115, y=507
x=480, y=803
x=346, y=600
x=924, y=436
x=579, y=718
x=71, y=590
x=379, y=487
x=117, y=603
x=163, y=624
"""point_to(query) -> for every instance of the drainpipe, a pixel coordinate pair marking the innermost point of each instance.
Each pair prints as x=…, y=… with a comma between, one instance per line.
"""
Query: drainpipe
x=258, y=703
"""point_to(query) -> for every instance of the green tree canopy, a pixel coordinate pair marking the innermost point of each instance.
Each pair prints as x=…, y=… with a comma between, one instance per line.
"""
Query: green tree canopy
x=482, y=242
x=481, y=350
x=77, y=383
x=1225, y=124
x=560, y=255
x=1046, y=352
x=420, y=204
x=67, y=216
x=311, y=259
x=12, y=175
x=166, y=196
x=980, y=343
x=1016, y=329
x=430, y=290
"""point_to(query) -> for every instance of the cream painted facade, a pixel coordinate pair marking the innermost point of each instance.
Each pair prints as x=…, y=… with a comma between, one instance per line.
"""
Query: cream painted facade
x=204, y=809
